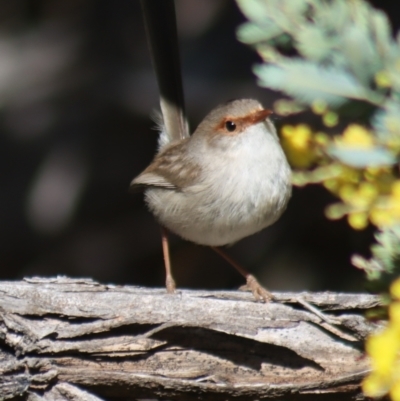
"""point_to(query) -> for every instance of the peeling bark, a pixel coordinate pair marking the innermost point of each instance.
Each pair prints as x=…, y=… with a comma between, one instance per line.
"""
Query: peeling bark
x=68, y=339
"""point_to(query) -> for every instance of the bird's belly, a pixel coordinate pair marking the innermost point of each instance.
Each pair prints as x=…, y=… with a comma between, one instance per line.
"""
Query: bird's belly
x=211, y=220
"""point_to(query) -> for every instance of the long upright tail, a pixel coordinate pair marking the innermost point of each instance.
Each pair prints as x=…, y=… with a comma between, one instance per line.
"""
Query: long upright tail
x=160, y=21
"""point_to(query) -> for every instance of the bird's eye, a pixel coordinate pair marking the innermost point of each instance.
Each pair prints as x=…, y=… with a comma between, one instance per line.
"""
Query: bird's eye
x=230, y=126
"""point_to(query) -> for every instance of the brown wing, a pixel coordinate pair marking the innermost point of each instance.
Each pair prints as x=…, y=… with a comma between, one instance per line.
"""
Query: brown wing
x=146, y=180
x=170, y=169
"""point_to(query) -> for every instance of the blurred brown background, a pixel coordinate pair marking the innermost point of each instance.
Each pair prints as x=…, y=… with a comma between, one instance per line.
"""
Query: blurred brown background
x=76, y=92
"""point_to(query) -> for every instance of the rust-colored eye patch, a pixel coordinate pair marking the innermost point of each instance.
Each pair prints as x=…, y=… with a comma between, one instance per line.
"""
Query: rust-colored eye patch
x=235, y=125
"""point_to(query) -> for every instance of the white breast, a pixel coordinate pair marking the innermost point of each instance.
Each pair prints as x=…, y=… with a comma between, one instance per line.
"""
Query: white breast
x=244, y=187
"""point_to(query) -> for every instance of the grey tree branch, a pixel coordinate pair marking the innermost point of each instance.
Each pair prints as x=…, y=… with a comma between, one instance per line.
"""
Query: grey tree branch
x=68, y=339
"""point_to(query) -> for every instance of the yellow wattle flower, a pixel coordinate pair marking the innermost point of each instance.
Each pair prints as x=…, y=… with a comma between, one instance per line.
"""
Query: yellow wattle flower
x=396, y=190
x=384, y=351
x=358, y=220
x=297, y=141
x=355, y=136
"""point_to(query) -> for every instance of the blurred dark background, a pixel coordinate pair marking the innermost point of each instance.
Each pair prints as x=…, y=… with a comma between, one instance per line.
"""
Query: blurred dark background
x=76, y=92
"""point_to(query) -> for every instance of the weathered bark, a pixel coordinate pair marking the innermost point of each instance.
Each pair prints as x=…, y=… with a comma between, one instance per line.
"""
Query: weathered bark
x=66, y=339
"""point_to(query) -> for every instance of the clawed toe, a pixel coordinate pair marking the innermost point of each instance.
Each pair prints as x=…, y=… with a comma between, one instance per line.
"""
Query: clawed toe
x=258, y=291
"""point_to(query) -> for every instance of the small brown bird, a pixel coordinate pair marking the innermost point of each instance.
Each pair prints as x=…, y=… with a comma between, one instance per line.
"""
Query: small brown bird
x=227, y=181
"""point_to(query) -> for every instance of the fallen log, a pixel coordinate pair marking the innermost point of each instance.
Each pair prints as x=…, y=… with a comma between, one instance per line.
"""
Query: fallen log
x=76, y=339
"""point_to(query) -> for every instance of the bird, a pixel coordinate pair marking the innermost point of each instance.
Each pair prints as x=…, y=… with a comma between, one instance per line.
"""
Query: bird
x=228, y=180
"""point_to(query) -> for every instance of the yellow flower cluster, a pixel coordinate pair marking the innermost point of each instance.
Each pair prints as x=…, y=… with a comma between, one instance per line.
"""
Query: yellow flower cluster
x=301, y=145
x=384, y=350
x=297, y=143
x=370, y=194
x=355, y=136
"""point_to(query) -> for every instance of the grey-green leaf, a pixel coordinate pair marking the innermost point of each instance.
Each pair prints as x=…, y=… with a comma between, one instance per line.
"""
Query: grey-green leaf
x=307, y=82
x=251, y=33
x=361, y=157
x=313, y=43
x=386, y=121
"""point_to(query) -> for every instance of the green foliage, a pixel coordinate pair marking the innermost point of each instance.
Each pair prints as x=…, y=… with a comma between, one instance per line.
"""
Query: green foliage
x=307, y=81
x=386, y=122
x=360, y=158
x=384, y=265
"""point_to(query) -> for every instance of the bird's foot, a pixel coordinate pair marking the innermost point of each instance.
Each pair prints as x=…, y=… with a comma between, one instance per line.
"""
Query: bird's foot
x=259, y=292
x=170, y=284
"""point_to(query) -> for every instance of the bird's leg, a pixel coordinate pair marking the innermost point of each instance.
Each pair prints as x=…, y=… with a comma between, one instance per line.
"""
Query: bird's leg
x=169, y=280
x=252, y=284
